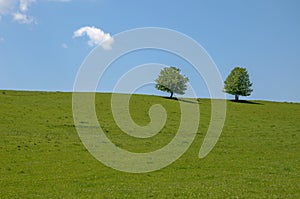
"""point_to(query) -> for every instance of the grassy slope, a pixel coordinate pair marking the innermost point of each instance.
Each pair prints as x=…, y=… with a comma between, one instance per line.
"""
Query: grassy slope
x=258, y=154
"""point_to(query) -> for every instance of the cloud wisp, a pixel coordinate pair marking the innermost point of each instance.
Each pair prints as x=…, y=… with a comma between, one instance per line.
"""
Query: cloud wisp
x=64, y=45
x=23, y=18
x=96, y=36
x=17, y=9
x=24, y=4
x=61, y=0
x=6, y=6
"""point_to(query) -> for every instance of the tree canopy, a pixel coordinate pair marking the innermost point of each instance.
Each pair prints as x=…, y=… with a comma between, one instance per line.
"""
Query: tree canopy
x=238, y=83
x=170, y=80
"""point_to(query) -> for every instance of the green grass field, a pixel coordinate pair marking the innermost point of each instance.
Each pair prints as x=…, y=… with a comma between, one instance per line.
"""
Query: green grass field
x=41, y=155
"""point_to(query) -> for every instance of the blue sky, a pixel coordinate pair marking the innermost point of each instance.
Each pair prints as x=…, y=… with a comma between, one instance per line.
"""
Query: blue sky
x=39, y=49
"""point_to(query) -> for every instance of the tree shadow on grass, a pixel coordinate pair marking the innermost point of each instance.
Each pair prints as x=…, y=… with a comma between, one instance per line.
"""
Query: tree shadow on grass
x=182, y=100
x=246, y=102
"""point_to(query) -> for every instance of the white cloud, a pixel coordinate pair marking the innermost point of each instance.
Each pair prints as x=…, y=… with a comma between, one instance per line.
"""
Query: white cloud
x=18, y=8
x=64, y=45
x=96, y=36
x=6, y=6
x=2, y=39
x=9, y=6
x=23, y=18
x=61, y=0
x=24, y=5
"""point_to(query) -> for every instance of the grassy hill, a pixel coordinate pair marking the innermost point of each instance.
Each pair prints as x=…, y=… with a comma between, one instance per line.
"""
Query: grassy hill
x=41, y=155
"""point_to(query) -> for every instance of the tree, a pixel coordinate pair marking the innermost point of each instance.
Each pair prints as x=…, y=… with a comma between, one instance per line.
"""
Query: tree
x=170, y=80
x=238, y=83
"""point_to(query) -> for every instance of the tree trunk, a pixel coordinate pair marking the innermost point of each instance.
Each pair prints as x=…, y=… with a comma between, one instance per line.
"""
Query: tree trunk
x=171, y=95
x=236, y=98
